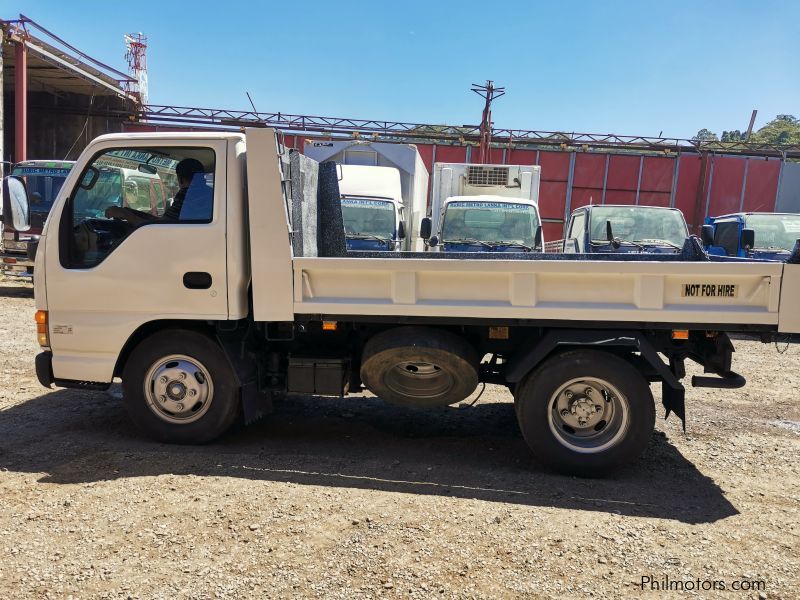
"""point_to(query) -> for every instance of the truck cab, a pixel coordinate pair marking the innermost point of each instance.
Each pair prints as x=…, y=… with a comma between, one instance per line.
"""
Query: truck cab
x=43, y=180
x=766, y=236
x=372, y=207
x=623, y=229
x=485, y=208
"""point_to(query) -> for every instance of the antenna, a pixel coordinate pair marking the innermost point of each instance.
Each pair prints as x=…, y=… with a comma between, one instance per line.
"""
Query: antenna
x=136, y=55
x=488, y=92
x=255, y=112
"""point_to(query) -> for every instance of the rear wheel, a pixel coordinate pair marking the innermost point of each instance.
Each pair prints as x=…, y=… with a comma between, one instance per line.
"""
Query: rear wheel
x=179, y=387
x=419, y=366
x=585, y=412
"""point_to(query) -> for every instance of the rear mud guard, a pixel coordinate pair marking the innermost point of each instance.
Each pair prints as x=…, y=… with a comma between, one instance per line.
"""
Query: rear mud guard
x=674, y=393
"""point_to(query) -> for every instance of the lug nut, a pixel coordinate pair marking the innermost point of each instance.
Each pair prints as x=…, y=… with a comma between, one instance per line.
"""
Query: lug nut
x=182, y=375
x=597, y=408
x=194, y=393
x=163, y=379
x=180, y=406
x=588, y=391
x=564, y=412
x=569, y=395
x=162, y=398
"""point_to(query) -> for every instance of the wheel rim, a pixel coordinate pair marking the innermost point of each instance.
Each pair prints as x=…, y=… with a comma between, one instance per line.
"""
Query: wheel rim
x=178, y=389
x=418, y=380
x=588, y=415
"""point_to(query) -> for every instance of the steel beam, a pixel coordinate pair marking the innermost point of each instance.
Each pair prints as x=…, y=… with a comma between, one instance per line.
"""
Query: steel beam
x=20, y=101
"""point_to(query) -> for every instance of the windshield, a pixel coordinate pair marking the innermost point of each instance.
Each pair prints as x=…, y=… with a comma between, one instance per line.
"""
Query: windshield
x=775, y=231
x=639, y=223
x=43, y=185
x=368, y=217
x=490, y=222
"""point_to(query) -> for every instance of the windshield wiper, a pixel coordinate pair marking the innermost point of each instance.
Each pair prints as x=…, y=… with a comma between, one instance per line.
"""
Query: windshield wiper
x=658, y=241
x=512, y=245
x=366, y=236
x=468, y=241
x=616, y=242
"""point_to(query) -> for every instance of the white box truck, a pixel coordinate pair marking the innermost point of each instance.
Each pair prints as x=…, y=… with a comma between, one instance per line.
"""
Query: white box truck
x=239, y=312
x=484, y=208
x=384, y=190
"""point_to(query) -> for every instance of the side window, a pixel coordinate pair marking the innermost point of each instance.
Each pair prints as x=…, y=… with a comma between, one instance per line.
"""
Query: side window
x=126, y=188
x=576, y=230
x=726, y=236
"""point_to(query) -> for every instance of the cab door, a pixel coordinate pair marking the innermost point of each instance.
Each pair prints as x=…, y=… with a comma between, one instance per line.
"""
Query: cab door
x=106, y=277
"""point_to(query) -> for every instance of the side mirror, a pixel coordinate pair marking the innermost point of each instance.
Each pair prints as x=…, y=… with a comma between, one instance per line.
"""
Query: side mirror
x=707, y=235
x=610, y=236
x=149, y=169
x=401, y=230
x=425, y=228
x=537, y=239
x=748, y=239
x=89, y=178
x=16, y=210
x=433, y=241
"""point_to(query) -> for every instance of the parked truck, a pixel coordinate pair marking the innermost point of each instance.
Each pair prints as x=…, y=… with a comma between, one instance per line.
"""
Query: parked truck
x=609, y=228
x=384, y=192
x=43, y=180
x=484, y=208
x=768, y=236
x=258, y=297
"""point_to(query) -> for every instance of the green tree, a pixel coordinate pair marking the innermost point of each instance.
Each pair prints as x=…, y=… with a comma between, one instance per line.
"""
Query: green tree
x=783, y=129
x=704, y=135
x=732, y=136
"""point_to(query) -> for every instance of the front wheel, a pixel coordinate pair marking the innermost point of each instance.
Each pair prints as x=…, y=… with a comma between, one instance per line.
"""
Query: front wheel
x=178, y=387
x=585, y=412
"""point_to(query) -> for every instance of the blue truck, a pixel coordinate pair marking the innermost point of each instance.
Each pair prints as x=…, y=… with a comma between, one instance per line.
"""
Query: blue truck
x=622, y=229
x=767, y=236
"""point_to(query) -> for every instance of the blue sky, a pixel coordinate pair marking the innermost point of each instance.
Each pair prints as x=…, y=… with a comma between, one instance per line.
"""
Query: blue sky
x=638, y=67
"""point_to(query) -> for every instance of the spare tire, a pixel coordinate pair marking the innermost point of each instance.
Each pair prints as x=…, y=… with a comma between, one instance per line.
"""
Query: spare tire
x=419, y=366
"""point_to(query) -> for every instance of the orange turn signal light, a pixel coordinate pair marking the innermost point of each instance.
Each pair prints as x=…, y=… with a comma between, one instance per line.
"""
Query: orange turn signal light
x=41, y=328
x=680, y=334
x=329, y=325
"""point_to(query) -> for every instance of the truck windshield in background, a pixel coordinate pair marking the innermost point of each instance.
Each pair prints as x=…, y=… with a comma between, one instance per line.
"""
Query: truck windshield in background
x=492, y=222
x=639, y=224
x=43, y=184
x=774, y=232
x=368, y=218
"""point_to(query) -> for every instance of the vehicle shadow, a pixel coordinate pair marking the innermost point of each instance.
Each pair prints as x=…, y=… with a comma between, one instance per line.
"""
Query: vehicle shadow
x=74, y=436
x=14, y=289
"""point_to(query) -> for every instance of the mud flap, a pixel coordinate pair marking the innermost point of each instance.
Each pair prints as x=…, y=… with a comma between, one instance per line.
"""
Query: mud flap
x=674, y=401
x=254, y=403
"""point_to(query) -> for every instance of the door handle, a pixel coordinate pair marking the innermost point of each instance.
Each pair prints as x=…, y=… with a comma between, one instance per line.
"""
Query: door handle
x=197, y=280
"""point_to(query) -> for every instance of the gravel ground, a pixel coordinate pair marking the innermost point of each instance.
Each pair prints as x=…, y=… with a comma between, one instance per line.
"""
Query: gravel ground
x=354, y=498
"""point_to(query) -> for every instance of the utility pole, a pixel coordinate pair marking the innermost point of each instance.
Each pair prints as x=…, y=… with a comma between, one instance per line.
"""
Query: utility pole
x=488, y=92
x=750, y=127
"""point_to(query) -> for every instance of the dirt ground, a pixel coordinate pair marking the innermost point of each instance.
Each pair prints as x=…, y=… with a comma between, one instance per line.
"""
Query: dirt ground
x=356, y=499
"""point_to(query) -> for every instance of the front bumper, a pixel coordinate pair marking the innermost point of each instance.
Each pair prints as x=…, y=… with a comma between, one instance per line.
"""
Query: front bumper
x=15, y=263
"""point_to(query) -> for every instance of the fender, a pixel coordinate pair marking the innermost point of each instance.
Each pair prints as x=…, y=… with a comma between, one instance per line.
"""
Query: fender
x=673, y=391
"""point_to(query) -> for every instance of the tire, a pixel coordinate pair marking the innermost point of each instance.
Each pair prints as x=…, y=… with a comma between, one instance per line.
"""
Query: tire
x=585, y=440
x=179, y=387
x=419, y=366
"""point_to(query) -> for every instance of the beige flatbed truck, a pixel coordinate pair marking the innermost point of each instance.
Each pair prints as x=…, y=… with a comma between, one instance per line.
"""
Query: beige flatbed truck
x=247, y=292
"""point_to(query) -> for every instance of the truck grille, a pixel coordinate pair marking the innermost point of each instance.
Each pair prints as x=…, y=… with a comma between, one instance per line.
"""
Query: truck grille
x=488, y=176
